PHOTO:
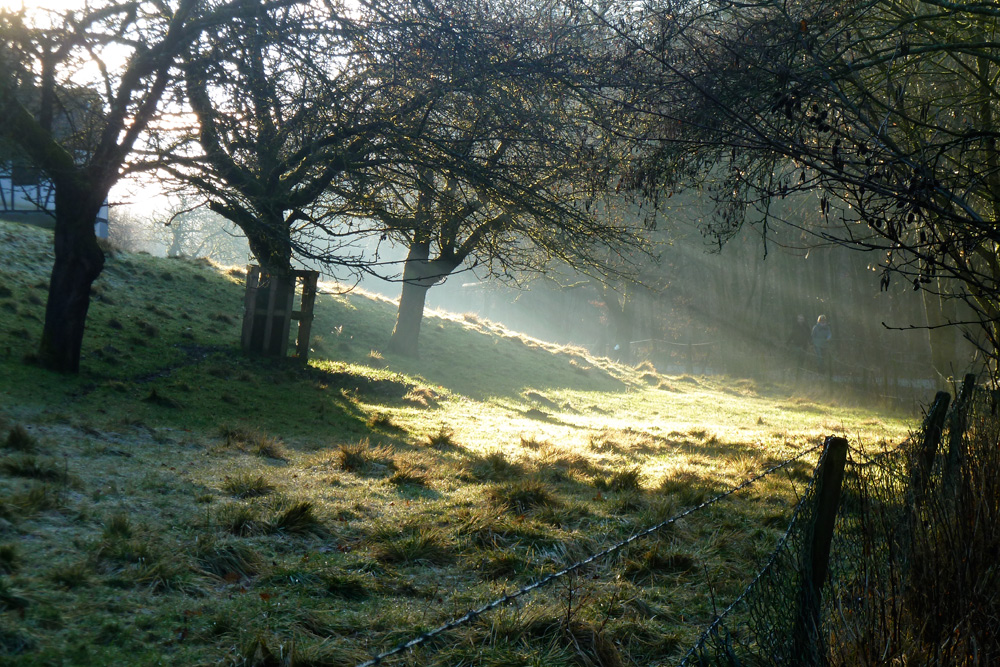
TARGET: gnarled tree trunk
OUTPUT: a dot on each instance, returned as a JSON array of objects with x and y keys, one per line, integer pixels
[
  {"x": 78, "y": 263},
  {"x": 419, "y": 275}
]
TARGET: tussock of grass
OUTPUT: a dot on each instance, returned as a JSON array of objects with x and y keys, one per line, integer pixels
[
  {"x": 155, "y": 397},
  {"x": 522, "y": 496},
  {"x": 226, "y": 558},
  {"x": 19, "y": 440},
  {"x": 253, "y": 441},
  {"x": 10, "y": 558},
  {"x": 493, "y": 467},
  {"x": 361, "y": 458},
  {"x": 412, "y": 544},
  {"x": 626, "y": 479},
  {"x": 409, "y": 475},
  {"x": 11, "y": 599},
  {"x": 376, "y": 360},
  {"x": 246, "y": 485},
  {"x": 443, "y": 438},
  {"x": 35, "y": 499},
  {"x": 71, "y": 576},
  {"x": 424, "y": 397},
  {"x": 654, "y": 561},
  {"x": 380, "y": 420},
  {"x": 299, "y": 518},
  {"x": 33, "y": 467},
  {"x": 240, "y": 519},
  {"x": 118, "y": 526}
]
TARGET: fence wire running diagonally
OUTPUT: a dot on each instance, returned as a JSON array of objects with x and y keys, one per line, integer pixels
[
  {"x": 911, "y": 575},
  {"x": 472, "y": 615}
]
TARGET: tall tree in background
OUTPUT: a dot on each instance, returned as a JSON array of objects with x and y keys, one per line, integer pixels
[
  {"x": 887, "y": 108},
  {"x": 282, "y": 113},
  {"x": 78, "y": 90},
  {"x": 501, "y": 171}
]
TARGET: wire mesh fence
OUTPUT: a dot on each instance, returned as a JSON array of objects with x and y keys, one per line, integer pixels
[
  {"x": 889, "y": 557},
  {"x": 913, "y": 576}
]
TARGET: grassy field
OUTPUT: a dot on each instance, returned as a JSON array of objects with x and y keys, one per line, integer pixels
[{"x": 178, "y": 503}]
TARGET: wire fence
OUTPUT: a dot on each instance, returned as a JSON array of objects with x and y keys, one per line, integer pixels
[
  {"x": 911, "y": 577},
  {"x": 474, "y": 614},
  {"x": 889, "y": 557}
]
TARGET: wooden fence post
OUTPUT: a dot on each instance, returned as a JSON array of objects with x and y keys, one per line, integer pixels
[
  {"x": 933, "y": 427},
  {"x": 268, "y": 315},
  {"x": 957, "y": 425},
  {"x": 816, "y": 557}
]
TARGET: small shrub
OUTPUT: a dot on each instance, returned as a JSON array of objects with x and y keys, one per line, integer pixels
[
  {"x": 19, "y": 440},
  {"x": 247, "y": 485}
]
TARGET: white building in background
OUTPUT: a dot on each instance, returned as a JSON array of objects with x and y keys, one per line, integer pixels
[{"x": 25, "y": 190}]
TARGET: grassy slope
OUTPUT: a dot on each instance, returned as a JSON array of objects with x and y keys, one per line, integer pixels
[{"x": 179, "y": 503}]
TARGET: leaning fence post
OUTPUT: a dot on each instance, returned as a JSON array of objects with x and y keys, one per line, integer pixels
[
  {"x": 933, "y": 427},
  {"x": 816, "y": 558},
  {"x": 957, "y": 424}
]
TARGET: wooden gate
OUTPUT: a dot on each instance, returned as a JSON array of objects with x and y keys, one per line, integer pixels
[{"x": 269, "y": 308}]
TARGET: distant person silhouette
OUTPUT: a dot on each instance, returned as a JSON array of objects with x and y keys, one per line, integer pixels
[{"x": 821, "y": 337}]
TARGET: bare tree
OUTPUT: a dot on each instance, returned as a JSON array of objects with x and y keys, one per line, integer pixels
[
  {"x": 502, "y": 170},
  {"x": 885, "y": 107},
  {"x": 128, "y": 51}
]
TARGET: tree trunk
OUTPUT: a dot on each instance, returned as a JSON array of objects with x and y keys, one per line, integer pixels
[
  {"x": 419, "y": 275},
  {"x": 78, "y": 263},
  {"x": 271, "y": 246}
]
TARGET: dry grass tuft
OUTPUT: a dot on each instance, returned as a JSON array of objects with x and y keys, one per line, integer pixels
[
  {"x": 253, "y": 441},
  {"x": 425, "y": 397},
  {"x": 413, "y": 543},
  {"x": 443, "y": 438},
  {"x": 19, "y": 440},
  {"x": 522, "y": 496},
  {"x": 361, "y": 458},
  {"x": 246, "y": 485}
]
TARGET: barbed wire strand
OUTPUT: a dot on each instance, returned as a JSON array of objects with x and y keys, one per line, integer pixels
[
  {"x": 763, "y": 571},
  {"x": 510, "y": 597}
]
